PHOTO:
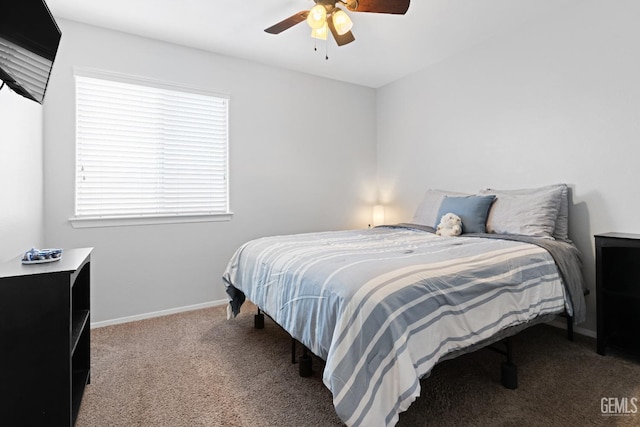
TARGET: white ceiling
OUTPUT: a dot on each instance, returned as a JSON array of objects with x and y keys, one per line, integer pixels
[{"x": 387, "y": 47}]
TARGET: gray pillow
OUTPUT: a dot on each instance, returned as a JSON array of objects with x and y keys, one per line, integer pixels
[
  {"x": 561, "y": 229},
  {"x": 528, "y": 213},
  {"x": 427, "y": 210},
  {"x": 472, "y": 210}
]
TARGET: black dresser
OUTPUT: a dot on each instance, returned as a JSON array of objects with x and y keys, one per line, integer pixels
[{"x": 45, "y": 339}]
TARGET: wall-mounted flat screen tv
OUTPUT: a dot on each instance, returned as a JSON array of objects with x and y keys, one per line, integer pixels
[{"x": 29, "y": 39}]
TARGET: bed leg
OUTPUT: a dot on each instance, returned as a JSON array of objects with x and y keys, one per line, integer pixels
[
  {"x": 258, "y": 320},
  {"x": 508, "y": 369},
  {"x": 305, "y": 363},
  {"x": 293, "y": 350},
  {"x": 570, "y": 328}
]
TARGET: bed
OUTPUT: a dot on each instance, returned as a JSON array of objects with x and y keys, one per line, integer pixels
[{"x": 383, "y": 306}]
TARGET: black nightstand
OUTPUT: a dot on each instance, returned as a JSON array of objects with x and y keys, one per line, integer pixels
[{"x": 618, "y": 292}]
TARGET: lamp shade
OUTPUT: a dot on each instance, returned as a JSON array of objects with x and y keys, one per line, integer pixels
[
  {"x": 342, "y": 22},
  {"x": 317, "y": 17},
  {"x": 320, "y": 33},
  {"x": 378, "y": 215}
]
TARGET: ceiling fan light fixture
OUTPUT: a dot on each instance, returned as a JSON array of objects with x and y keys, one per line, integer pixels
[
  {"x": 317, "y": 17},
  {"x": 327, "y": 13},
  {"x": 341, "y": 22},
  {"x": 320, "y": 33}
]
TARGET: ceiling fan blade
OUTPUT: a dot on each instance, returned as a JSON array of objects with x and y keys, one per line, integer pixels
[
  {"x": 285, "y": 24},
  {"x": 398, "y": 7},
  {"x": 341, "y": 40}
]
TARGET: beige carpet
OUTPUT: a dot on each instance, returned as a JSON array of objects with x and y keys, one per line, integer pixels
[{"x": 198, "y": 369}]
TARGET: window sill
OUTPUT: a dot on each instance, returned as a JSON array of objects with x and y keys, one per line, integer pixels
[{"x": 93, "y": 222}]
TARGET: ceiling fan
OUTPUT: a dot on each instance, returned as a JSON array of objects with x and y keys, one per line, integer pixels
[{"x": 326, "y": 16}]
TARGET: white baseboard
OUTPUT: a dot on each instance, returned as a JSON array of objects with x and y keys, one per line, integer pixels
[{"x": 157, "y": 313}]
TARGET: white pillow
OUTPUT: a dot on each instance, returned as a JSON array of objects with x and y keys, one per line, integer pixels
[
  {"x": 427, "y": 210},
  {"x": 529, "y": 213},
  {"x": 561, "y": 230}
]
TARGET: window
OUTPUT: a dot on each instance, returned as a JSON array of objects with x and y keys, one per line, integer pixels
[{"x": 148, "y": 152}]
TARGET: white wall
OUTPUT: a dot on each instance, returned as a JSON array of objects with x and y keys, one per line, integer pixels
[
  {"x": 21, "y": 223},
  {"x": 556, "y": 101},
  {"x": 296, "y": 165}
]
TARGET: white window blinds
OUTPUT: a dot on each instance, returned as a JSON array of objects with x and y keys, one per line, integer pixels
[{"x": 149, "y": 151}]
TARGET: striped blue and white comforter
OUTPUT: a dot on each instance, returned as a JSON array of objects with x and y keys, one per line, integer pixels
[{"x": 383, "y": 306}]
